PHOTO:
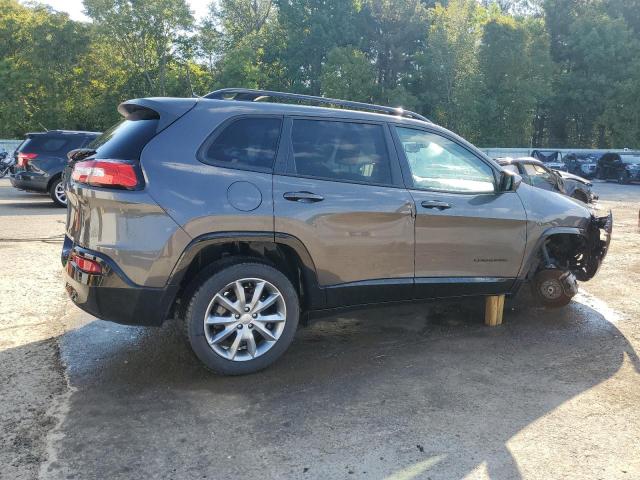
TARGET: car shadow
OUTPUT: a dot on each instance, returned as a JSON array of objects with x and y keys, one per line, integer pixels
[{"x": 421, "y": 386}]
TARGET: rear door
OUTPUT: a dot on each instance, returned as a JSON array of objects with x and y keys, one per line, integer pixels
[
  {"x": 341, "y": 194},
  {"x": 470, "y": 238}
]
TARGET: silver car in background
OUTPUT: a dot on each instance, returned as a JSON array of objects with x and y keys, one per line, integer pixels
[{"x": 536, "y": 173}]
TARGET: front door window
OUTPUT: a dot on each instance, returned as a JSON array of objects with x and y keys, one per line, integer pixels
[{"x": 438, "y": 163}]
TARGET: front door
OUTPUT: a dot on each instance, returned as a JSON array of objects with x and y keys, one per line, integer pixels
[
  {"x": 341, "y": 194},
  {"x": 470, "y": 238}
]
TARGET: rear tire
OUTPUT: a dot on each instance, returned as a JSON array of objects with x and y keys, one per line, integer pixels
[
  {"x": 548, "y": 290},
  {"x": 228, "y": 325},
  {"x": 57, "y": 193}
]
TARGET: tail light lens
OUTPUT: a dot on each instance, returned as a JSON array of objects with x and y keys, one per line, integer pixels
[
  {"x": 86, "y": 265},
  {"x": 25, "y": 158},
  {"x": 106, "y": 173}
]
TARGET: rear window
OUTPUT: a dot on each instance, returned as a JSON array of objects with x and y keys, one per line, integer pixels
[
  {"x": 45, "y": 144},
  {"x": 125, "y": 140},
  {"x": 247, "y": 143}
]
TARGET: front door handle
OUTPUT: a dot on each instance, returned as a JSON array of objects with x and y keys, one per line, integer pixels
[
  {"x": 436, "y": 204},
  {"x": 304, "y": 197}
]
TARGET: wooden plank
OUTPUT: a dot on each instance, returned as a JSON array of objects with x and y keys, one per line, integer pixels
[{"x": 493, "y": 310}]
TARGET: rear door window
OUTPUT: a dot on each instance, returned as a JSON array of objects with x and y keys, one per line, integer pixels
[
  {"x": 346, "y": 151},
  {"x": 248, "y": 143}
]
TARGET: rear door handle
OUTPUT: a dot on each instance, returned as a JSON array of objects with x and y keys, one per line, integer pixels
[
  {"x": 303, "y": 197},
  {"x": 436, "y": 204}
]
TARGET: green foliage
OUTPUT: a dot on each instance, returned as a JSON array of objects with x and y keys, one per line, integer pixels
[
  {"x": 312, "y": 28},
  {"x": 39, "y": 52},
  {"x": 348, "y": 73},
  {"x": 499, "y": 72},
  {"x": 447, "y": 67},
  {"x": 512, "y": 81},
  {"x": 144, "y": 35}
]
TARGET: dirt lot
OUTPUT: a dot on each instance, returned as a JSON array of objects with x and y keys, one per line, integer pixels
[{"x": 398, "y": 392}]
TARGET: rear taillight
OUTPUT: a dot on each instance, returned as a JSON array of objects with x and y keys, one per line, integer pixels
[
  {"x": 106, "y": 173},
  {"x": 25, "y": 158},
  {"x": 86, "y": 265}
]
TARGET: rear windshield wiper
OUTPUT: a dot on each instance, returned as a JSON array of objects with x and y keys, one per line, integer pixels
[{"x": 79, "y": 154}]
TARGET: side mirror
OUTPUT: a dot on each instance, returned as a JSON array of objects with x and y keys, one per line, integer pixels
[{"x": 509, "y": 181}]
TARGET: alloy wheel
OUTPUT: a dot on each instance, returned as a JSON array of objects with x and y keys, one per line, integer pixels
[
  {"x": 245, "y": 319},
  {"x": 60, "y": 194}
]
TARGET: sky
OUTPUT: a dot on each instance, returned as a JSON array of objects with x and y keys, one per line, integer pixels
[{"x": 74, "y": 7}]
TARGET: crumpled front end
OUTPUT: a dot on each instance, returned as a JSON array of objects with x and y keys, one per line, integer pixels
[{"x": 598, "y": 238}]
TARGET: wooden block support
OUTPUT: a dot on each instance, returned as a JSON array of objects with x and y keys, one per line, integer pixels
[{"x": 493, "y": 310}]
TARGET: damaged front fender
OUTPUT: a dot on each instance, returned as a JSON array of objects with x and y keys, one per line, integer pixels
[{"x": 598, "y": 238}]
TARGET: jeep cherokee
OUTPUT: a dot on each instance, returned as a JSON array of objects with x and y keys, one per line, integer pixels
[{"x": 239, "y": 216}]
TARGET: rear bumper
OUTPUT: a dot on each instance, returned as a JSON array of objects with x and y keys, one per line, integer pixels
[
  {"x": 34, "y": 182},
  {"x": 111, "y": 295}
]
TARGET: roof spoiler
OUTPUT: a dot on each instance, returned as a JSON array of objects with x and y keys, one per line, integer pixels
[{"x": 166, "y": 110}]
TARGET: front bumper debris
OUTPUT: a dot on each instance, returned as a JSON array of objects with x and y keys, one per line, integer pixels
[{"x": 598, "y": 241}]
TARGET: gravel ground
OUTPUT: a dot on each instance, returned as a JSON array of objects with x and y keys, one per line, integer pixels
[
  {"x": 33, "y": 301},
  {"x": 433, "y": 395}
]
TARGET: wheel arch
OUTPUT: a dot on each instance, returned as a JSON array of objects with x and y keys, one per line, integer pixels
[
  {"x": 532, "y": 262},
  {"x": 581, "y": 195},
  {"x": 282, "y": 251},
  {"x": 53, "y": 178}
]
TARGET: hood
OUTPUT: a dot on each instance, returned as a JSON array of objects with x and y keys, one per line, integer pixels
[{"x": 571, "y": 176}]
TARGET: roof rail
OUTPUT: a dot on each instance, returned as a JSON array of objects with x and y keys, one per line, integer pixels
[{"x": 250, "y": 95}]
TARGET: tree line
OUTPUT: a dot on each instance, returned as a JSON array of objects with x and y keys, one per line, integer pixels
[{"x": 563, "y": 73}]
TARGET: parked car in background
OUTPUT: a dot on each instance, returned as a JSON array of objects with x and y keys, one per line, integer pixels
[
  {"x": 577, "y": 187},
  {"x": 581, "y": 164},
  {"x": 551, "y": 158},
  {"x": 240, "y": 216},
  {"x": 623, "y": 167},
  {"x": 537, "y": 174},
  {"x": 41, "y": 158}
]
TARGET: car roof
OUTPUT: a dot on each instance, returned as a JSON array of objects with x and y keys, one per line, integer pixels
[
  {"x": 330, "y": 113},
  {"x": 310, "y": 110},
  {"x": 175, "y": 107},
  {"x": 262, "y": 107}
]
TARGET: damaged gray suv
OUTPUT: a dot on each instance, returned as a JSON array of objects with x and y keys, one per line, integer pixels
[{"x": 246, "y": 212}]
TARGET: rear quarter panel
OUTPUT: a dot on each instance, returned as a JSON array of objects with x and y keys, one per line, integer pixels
[
  {"x": 195, "y": 194},
  {"x": 129, "y": 227}
]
